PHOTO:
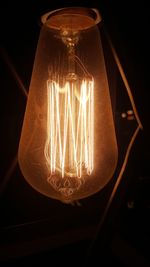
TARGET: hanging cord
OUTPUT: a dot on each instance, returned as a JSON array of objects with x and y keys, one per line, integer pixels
[
  {"x": 117, "y": 183},
  {"x": 22, "y": 88},
  {"x": 12, "y": 70},
  {"x": 123, "y": 76}
]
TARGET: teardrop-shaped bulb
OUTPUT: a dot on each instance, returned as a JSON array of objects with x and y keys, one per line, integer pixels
[{"x": 68, "y": 147}]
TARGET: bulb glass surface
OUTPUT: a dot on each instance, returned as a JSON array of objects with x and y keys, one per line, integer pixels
[{"x": 68, "y": 147}]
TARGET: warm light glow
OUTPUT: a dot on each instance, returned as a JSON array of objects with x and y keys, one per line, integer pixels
[
  {"x": 70, "y": 128},
  {"x": 68, "y": 148}
]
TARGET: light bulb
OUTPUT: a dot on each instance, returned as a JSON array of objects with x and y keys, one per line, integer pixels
[{"x": 68, "y": 147}]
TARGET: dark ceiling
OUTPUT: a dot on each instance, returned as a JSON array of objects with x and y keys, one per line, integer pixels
[{"x": 34, "y": 228}]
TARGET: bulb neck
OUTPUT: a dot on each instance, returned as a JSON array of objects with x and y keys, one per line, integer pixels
[{"x": 76, "y": 18}]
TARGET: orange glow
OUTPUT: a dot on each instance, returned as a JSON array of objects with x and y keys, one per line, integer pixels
[
  {"x": 68, "y": 148},
  {"x": 70, "y": 128}
]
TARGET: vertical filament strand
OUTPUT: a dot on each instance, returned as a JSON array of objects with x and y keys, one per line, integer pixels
[{"x": 69, "y": 146}]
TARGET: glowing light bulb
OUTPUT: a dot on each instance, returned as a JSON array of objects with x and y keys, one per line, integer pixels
[{"x": 68, "y": 147}]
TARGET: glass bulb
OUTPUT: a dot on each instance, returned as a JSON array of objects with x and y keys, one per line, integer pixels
[{"x": 68, "y": 148}]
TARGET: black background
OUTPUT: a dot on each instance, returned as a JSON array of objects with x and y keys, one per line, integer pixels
[{"x": 35, "y": 229}]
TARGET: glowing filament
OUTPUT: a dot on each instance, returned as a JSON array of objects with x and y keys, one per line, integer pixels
[{"x": 70, "y": 128}]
